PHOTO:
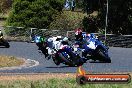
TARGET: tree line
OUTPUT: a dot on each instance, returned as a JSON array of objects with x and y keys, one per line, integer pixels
[
  {"x": 41, "y": 13},
  {"x": 119, "y": 16}
]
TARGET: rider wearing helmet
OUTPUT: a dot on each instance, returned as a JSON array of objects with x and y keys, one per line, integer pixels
[
  {"x": 41, "y": 43},
  {"x": 40, "y": 40},
  {"x": 65, "y": 41},
  {"x": 79, "y": 37},
  {"x": 78, "y": 34}
]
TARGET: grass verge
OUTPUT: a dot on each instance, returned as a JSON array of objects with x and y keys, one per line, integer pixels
[
  {"x": 9, "y": 61},
  {"x": 52, "y": 80},
  {"x": 57, "y": 83}
]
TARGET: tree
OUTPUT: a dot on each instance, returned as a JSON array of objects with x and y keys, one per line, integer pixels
[
  {"x": 67, "y": 21},
  {"x": 34, "y": 13},
  {"x": 5, "y": 5},
  {"x": 90, "y": 24},
  {"x": 91, "y": 5},
  {"x": 119, "y": 17}
]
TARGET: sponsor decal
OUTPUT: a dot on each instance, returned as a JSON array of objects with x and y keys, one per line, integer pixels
[{"x": 83, "y": 78}]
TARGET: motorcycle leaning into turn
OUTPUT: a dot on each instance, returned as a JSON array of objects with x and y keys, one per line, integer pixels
[
  {"x": 42, "y": 44},
  {"x": 93, "y": 49},
  {"x": 3, "y": 42},
  {"x": 65, "y": 54}
]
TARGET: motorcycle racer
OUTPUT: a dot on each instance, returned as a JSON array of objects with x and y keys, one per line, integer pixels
[
  {"x": 80, "y": 37},
  {"x": 60, "y": 51},
  {"x": 40, "y": 40},
  {"x": 78, "y": 34},
  {"x": 56, "y": 43},
  {"x": 3, "y": 42},
  {"x": 53, "y": 45},
  {"x": 41, "y": 43}
]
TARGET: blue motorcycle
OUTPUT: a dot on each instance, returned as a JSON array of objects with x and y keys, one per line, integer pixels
[
  {"x": 93, "y": 48},
  {"x": 68, "y": 57}
]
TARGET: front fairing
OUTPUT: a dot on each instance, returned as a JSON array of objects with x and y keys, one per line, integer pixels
[
  {"x": 87, "y": 49},
  {"x": 99, "y": 43},
  {"x": 91, "y": 44},
  {"x": 67, "y": 49}
]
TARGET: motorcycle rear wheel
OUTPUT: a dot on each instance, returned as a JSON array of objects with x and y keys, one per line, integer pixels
[
  {"x": 55, "y": 59},
  {"x": 56, "y": 62}
]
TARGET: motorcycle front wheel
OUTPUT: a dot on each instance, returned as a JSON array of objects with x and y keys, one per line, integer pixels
[
  {"x": 103, "y": 56},
  {"x": 55, "y": 59},
  {"x": 56, "y": 62},
  {"x": 6, "y": 45}
]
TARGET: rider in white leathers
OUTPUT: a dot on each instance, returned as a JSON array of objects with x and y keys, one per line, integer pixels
[{"x": 56, "y": 43}]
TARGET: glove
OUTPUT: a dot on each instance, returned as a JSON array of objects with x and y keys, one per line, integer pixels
[
  {"x": 47, "y": 47},
  {"x": 83, "y": 50}
]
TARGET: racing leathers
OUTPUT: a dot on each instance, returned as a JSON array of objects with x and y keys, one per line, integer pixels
[
  {"x": 41, "y": 43},
  {"x": 55, "y": 44}
]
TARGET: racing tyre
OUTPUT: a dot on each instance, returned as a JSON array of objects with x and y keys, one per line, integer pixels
[
  {"x": 7, "y": 45},
  {"x": 56, "y": 61},
  {"x": 103, "y": 56},
  {"x": 108, "y": 60},
  {"x": 81, "y": 62}
]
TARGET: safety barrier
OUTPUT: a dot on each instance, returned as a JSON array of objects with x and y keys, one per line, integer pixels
[
  {"x": 117, "y": 40},
  {"x": 27, "y": 35}
]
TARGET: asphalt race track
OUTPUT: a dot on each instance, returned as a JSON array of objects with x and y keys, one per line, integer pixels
[{"x": 121, "y": 60}]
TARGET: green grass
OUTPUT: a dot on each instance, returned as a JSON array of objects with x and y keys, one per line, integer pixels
[{"x": 57, "y": 83}]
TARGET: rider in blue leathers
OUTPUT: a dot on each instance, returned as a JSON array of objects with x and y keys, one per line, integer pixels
[{"x": 80, "y": 37}]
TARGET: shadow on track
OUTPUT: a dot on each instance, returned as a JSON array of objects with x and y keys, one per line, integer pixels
[
  {"x": 96, "y": 62},
  {"x": 61, "y": 67}
]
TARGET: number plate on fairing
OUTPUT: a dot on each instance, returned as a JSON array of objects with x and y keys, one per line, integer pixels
[{"x": 92, "y": 45}]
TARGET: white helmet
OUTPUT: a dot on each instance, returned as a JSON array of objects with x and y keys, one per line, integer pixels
[
  {"x": 58, "y": 36},
  {"x": 65, "y": 39},
  {"x": 50, "y": 40}
]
